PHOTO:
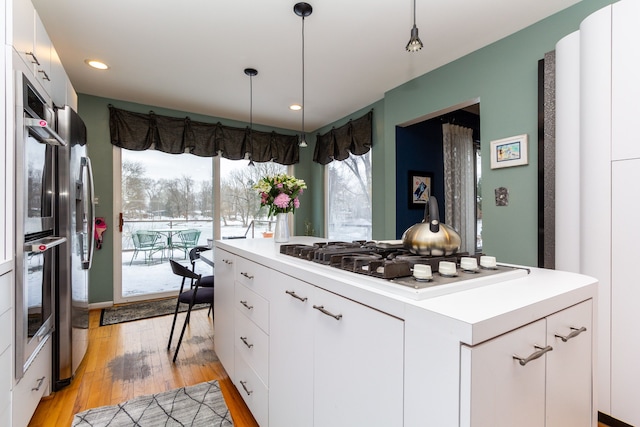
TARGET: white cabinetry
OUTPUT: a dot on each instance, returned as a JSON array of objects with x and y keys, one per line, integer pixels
[
  {"x": 32, "y": 386},
  {"x": 625, "y": 238},
  {"x": 312, "y": 345},
  {"x": 537, "y": 375},
  {"x": 609, "y": 90},
  {"x": 223, "y": 309},
  {"x": 6, "y": 325},
  {"x": 32, "y": 43},
  {"x": 326, "y": 353}
]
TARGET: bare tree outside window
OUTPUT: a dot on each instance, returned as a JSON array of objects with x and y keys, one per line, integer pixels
[{"x": 349, "y": 196}]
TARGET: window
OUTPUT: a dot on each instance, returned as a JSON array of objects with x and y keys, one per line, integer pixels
[
  {"x": 240, "y": 211},
  {"x": 349, "y": 198}
]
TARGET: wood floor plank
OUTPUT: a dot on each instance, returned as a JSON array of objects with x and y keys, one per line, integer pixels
[{"x": 131, "y": 359}]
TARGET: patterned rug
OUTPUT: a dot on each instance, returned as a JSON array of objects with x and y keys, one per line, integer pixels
[
  {"x": 198, "y": 405},
  {"x": 142, "y": 310}
]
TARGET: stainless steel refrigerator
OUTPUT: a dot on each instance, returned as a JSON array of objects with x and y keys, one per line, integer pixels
[{"x": 76, "y": 221}]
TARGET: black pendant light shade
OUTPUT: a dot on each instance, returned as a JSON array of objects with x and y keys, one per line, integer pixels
[
  {"x": 415, "y": 44},
  {"x": 303, "y": 10}
]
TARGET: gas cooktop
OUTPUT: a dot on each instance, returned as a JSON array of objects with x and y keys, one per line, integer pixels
[{"x": 388, "y": 266}]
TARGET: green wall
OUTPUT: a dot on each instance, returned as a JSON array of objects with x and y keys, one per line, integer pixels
[{"x": 503, "y": 76}]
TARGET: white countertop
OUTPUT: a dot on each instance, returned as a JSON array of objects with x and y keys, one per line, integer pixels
[{"x": 475, "y": 314}]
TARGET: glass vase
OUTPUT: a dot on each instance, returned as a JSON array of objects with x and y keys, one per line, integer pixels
[{"x": 281, "y": 234}]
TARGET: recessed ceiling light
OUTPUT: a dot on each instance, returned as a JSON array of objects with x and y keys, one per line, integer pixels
[
  {"x": 96, "y": 64},
  {"x": 295, "y": 107}
]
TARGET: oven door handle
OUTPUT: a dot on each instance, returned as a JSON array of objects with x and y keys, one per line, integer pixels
[
  {"x": 42, "y": 129},
  {"x": 45, "y": 244}
]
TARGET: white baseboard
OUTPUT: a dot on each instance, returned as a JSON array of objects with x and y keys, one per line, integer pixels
[{"x": 97, "y": 305}]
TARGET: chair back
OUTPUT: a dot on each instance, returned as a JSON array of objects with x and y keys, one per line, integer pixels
[
  {"x": 180, "y": 270},
  {"x": 190, "y": 237},
  {"x": 194, "y": 253},
  {"x": 144, "y": 239}
]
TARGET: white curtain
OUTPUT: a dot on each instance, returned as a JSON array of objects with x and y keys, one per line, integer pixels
[{"x": 459, "y": 183}]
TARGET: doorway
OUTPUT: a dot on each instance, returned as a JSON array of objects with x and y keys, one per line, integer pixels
[
  {"x": 419, "y": 148},
  {"x": 166, "y": 207}
]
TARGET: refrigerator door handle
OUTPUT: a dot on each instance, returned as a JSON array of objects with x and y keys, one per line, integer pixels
[{"x": 86, "y": 264}]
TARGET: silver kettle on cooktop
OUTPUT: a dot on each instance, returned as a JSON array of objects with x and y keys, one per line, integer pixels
[{"x": 431, "y": 237}]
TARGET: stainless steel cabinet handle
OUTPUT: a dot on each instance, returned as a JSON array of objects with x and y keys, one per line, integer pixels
[
  {"x": 574, "y": 333},
  {"x": 247, "y": 275},
  {"x": 40, "y": 381},
  {"x": 249, "y": 307},
  {"x": 328, "y": 313},
  {"x": 244, "y": 340},
  {"x": 34, "y": 59},
  {"x": 541, "y": 351},
  {"x": 45, "y": 75},
  {"x": 226, "y": 261},
  {"x": 244, "y": 386},
  {"x": 296, "y": 296}
]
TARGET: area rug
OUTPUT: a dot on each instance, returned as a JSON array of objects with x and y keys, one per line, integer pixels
[
  {"x": 198, "y": 405},
  {"x": 142, "y": 310}
]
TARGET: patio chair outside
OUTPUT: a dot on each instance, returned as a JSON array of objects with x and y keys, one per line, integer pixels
[
  {"x": 149, "y": 243},
  {"x": 186, "y": 240}
]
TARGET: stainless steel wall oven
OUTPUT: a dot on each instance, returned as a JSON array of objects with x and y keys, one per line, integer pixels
[{"x": 35, "y": 218}]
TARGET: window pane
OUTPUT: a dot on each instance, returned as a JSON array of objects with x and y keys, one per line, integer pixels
[
  {"x": 163, "y": 195},
  {"x": 349, "y": 198},
  {"x": 240, "y": 211}
]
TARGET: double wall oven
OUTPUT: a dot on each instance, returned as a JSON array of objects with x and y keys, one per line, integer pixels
[{"x": 35, "y": 221}]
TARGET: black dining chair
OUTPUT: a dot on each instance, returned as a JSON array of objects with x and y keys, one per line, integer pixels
[
  {"x": 205, "y": 281},
  {"x": 196, "y": 294}
]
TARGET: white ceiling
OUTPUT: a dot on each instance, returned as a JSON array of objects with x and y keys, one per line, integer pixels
[{"x": 190, "y": 55}]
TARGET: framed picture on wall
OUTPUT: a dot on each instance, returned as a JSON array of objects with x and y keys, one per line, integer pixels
[
  {"x": 420, "y": 184},
  {"x": 509, "y": 152}
]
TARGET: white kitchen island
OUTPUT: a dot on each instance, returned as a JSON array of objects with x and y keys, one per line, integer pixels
[{"x": 311, "y": 345}]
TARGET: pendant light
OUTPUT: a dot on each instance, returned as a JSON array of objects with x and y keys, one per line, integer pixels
[
  {"x": 415, "y": 44},
  {"x": 303, "y": 10},
  {"x": 251, "y": 72}
]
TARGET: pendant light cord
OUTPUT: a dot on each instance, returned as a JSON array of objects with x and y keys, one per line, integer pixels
[
  {"x": 303, "y": 106},
  {"x": 414, "y": 13}
]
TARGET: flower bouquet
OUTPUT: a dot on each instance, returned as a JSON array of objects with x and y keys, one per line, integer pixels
[{"x": 280, "y": 193}]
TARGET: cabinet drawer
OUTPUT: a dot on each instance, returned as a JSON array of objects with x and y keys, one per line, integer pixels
[
  {"x": 252, "y": 275},
  {"x": 253, "y": 306},
  {"x": 34, "y": 385},
  {"x": 253, "y": 344},
  {"x": 5, "y": 293},
  {"x": 5, "y": 386},
  {"x": 5, "y": 325},
  {"x": 252, "y": 390}
]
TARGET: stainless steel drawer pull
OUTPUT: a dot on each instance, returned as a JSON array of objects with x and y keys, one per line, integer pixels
[
  {"x": 296, "y": 296},
  {"x": 541, "y": 351},
  {"x": 34, "y": 59},
  {"x": 247, "y": 275},
  {"x": 249, "y": 307},
  {"x": 40, "y": 381},
  {"x": 574, "y": 333},
  {"x": 45, "y": 75},
  {"x": 328, "y": 313},
  {"x": 244, "y": 386},
  {"x": 226, "y": 261},
  {"x": 244, "y": 340}
]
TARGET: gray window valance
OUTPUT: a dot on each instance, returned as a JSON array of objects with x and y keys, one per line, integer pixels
[
  {"x": 354, "y": 137},
  {"x": 138, "y": 132}
]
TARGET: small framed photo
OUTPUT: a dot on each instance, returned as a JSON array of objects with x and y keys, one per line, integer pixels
[
  {"x": 509, "y": 152},
  {"x": 420, "y": 184}
]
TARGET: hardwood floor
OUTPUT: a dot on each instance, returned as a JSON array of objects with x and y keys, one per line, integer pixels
[{"x": 131, "y": 359}]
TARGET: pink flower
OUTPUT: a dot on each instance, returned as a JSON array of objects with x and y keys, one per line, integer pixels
[
  {"x": 282, "y": 201},
  {"x": 296, "y": 203},
  {"x": 301, "y": 191},
  {"x": 279, "y": 185}
]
